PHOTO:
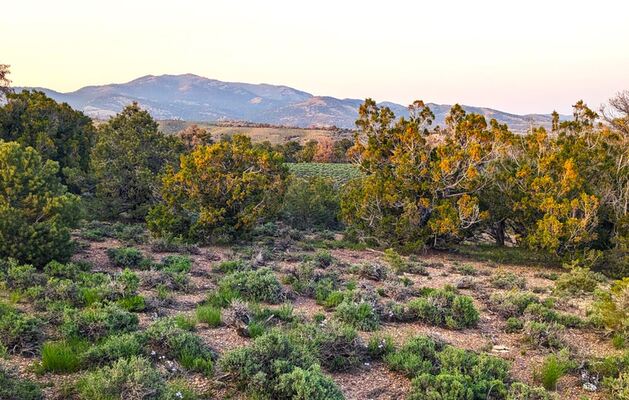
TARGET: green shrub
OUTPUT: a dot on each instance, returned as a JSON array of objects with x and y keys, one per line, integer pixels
[
  {"x": 176, "y": 264},
  {"x": 514, "y": 325},
  {"x": 209, "y": 315},
  {"x": 395, "y": 261},
  {"x": 179, "y": 389},
  {"x": 127, "y": 257},
  {"x": 443, "y": 307},
  {"x": 258, "y": 285},
  {"x": 126, "y": 377},
  {"x": 337, "y": 347},
  {"x": 19, "y": 333},
  {"x": 512, "y": 303},
  {"x": 113, "y": 348},
  {"x": 542, "y": 334},
  {"x": 311, "y": 203},
  {"x": 578, "y": 280},
  {"x": 521, "y": 391},
  {"x": 250, "y": 367},
  {"x": 97, "y": 321},
  {"x": 361, "y": 315},
  {"x": 166, "y": 337},
  {"x": 14, "y": 388},
  {"x": 380, "y": 346},
  {"x": 230, "y": 266},
  {"x": 507, "y": 280},
  {"x": 466, "y": 269},
  {"x": 418, "y": 355},
  {"x": 22, "y": 277},
  {"x": 61, "y": 357},
  {"x": 323, "y": 259},
  {"x": 127, "y": 283},
  {"x": 36, "y": 212},
  {"x": 611, "y": 308},
  {"x": 619, "y": 387},
  {"x": 308, "y": 384},
  {"x": 66, "y": 271}
]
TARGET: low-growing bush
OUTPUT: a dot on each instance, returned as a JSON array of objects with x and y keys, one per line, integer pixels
[
  {"x": 542, "y": 334},
  {"x": 256, "y": 285},
  {"x": 443, "y": 307},
  {"x": 166, "y": 337},
  {"x": 611, "y": 308},
  {"x": 126, "y": 378},
  {"x": 114, "y": 347},
  {"x": 176, "y": 264},
  {"x": 128, "y": 257},
  {"x": 20, "y": 333},
  {"x": 98, "y": 321},
  {"x": 522, "y": 391},
  {"x": 14, "y": 388},
  {"x": 417, "y": 355},
  {"x": 337, "y": 347},
  {"x": 512, "y": 303},
  {"x": 578, "y": 280},
  {"x": 397, "y": 263},
  {"x": 507, "y": 280},
  {"x": 253, "y": 371},
  {"x": 308, "y": 384},
  {"x": 380, "y": 346},
  {"x": 361, "y": 315}
]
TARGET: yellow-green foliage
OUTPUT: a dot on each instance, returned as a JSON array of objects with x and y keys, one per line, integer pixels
[
  {"x": 36, "y": 212},
  {"x": 222, "y": 188},
  {"x": 611, "y": 309},
  {"x": 415, "y": 190}
]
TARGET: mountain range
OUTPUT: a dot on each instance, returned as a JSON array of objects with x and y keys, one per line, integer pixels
[{"x": 194, "y": 98}]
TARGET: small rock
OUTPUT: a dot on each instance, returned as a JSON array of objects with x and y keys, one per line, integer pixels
[{"x": 590, "y": 387}]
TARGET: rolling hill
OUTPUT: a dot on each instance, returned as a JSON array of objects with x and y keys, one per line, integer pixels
[{"x": 195, "y": 98}]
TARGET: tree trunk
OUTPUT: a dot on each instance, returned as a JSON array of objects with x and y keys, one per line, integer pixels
[{"x": 499, "y": 233}]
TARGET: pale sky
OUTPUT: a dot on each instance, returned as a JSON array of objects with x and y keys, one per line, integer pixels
[{"x": 518, "y": 56}]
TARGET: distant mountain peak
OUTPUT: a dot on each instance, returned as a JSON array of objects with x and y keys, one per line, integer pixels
[{"x": 196, "y": 98}]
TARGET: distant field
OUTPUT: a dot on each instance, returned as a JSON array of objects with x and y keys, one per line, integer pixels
[
  {"x": 275, "y": 135},
  {"x": 340, "y": 173}
]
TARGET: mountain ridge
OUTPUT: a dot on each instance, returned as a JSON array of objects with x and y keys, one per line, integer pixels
[{"x": 192, "y": 97}]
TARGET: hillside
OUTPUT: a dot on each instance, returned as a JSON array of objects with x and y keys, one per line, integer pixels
[{"x": 195, "y": 98}]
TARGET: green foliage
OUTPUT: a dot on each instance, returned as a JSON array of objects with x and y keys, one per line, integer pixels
[
  {"x": 514, "y": 325},
  {"x": 416, "y": 193},
  {"x": 340, "y": 174},
  {"x": 274, "y": 366},
  {"x": 361, "y": 315},
  {"x": 98, "y": 321},
  {"x": 127, "y": 257},
  {"x": 445, "y": 372},
  {"x": 551, "y": 370},
  {"x": 256, "y": 285},
  {"x": 611, "y": 308},
  {"x": 133, "y": 376},
  {"x": 220, "y": 189},
  {"x": 311, "y": 203},
  {"x": 165, "y": 336},
  {"x": 337, "y": 347},
  {"x": 36, "y": 212},
  {"x": 114, "y": 347},
  {"x": 380, "y": 346},
  {"x": 20, "y": 333},
  {"x": 395, "y": 261},
  {"x": 578, "y": 280},
  {"x": 209, "y": 315},
  {"x": 14, "y": 388},
  {"x": 507, "y": 280},
  {"x": 128, "y": 156},
  {"x": 308, "y": 384},
  {"x": 443, "y": 307},
  {"x": 511, "y": 303},
  {"x": 176, "y": 264},
  {"x": 55, "y": 130},
  {"x": 521, "y": 391},
  {"x": 61, "y": 357},
  {"x": 543, "y": 334}
]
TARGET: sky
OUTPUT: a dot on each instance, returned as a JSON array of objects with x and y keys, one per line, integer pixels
[{"x": 518, "y": 56}]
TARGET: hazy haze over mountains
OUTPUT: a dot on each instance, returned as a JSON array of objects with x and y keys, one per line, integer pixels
[{"x": 195, "y": 98}]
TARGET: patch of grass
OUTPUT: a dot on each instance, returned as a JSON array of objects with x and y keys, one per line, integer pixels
[
  {"x": 62, "y": 357},
  {"x": 551, "y": 370},
  {"x": 508, "y": 255},
  {"x": 361, "y": 315},
  {"x": 209, "y": 315}
]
